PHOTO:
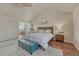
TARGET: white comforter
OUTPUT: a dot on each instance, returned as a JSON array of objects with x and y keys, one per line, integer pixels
[{"x": 41, "y": 37}]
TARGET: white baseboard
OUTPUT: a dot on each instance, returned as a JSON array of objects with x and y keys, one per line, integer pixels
[
  {"x": 76, "y": 46},
  {"x": 8, "y": 39},
  {"x": 69, "y": 41},
  {"x": 73, "y": 44}
]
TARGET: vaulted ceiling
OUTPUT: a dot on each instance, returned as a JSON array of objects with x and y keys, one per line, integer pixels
[
  {"x": 65, "y": 7},
  {"x": 10, "y": 9}
]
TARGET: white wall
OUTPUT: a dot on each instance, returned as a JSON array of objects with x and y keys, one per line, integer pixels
[
  {"x": 9, "y": 16},
  {"x": 9, "y": 24},
  {"x": 76, "y": 27},
  {"x": 57, "y": 18},
  {"x": 8, "y": 27}
]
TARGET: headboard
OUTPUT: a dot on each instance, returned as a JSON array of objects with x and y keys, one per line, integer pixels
[{"x": 46, "y": 28}]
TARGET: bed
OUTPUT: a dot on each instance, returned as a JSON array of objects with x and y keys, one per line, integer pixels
[{"x": 42, "y": 36}]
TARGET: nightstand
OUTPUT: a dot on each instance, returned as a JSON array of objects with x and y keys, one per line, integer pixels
[{"x": 59, "y": 37}]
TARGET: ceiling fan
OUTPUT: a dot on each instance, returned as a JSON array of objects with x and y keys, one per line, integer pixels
[{"x": 24, "y": 4}]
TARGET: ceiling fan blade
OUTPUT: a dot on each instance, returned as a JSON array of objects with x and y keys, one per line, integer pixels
[
  {"x": 27, "y": 4},
  {"x": 24, "y": 4}
]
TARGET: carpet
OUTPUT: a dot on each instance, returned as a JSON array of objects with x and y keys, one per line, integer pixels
[{"x": 10, "y": 48}]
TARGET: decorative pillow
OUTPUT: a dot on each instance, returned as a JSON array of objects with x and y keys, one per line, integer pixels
[{"x": 48, "y": 31}]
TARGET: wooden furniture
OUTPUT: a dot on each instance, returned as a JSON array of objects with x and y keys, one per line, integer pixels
[
  {"x": 59, "y": 37},
  {"x": 46, "y": 28},
  {"x": 21, "y": 32}
]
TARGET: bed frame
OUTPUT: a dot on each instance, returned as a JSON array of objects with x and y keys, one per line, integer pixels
[{"x": 46, "y": 28}]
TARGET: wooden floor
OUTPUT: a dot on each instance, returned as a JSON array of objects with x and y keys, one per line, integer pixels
[{"x": 68, "y": 48}]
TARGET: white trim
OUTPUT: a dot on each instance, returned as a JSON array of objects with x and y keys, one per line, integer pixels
[
  {"x": 76, "y": 46},
  {"x": 68, "y": 41}
]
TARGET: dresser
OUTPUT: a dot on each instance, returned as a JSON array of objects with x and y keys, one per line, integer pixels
[{"x": 59, "y": 37}]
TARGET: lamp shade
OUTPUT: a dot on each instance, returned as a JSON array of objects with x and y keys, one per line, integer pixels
[
  {"x": 28, "y": 27},
  {"x": 21, "y": 30},
  {"x": 59, "y": 28},
  {"x": 21, "y": 25},
  {"x": 35, "y": 28}
]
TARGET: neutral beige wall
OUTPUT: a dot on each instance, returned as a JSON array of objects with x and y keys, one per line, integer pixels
[
  {"x": 57, "y": 18},
  {"x": 8, "y": 27},
  {"x": 76, "y": 27},
  {"x": 9, "y": 20}
]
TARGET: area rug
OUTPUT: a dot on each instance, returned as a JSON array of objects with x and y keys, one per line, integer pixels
[{"x": 12, "y": 49}]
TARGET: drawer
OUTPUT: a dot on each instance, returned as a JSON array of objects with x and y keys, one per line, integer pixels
[{"x": 59, "y": 38}]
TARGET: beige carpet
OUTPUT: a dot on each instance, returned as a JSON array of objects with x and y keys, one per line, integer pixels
[{"x": 10, "y": 48}]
